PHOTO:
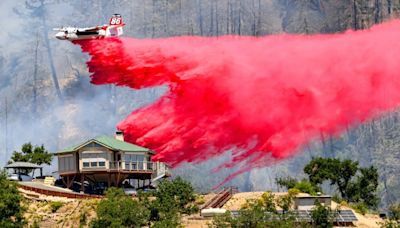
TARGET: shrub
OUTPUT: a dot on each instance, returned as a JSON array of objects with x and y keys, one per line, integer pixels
[
  {"x": 293, "y": 191},
  {"x": 260, "y": 213},
  {"x": 11, "y": 211},
  {"x": 306, "y": 187},
  {"x": 322, "y": 216},
  {"x": 119, "y": 210},
  {"x": 200, "y": 200},
  {"x": 54, "y": 206},
  {"x": 35, "y": 224},
  {"x": 390, "y": 224},
  {"x": 83, "y": 218},
  {"x": 285, "y": 202},
  {"x": 177, "y": 194},
  {"x": 360, "y": 208},
  {"x": 394, "y": 212}
]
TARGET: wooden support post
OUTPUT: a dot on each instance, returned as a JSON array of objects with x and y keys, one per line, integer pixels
[
  {"x": 109, "y": 180},
  {"x": 71, "y": 181},
  {"x": 118, "y": 177},
  {"x": 82, "y": 180},
  {"x": 63, "y": 180}
]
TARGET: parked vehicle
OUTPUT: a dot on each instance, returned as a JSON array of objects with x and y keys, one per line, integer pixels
[
  {"x": 19, "y": 177},
  {"x": 130, "y": 191}
]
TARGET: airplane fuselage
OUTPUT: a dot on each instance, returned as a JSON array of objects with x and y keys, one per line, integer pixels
[
  {"x": 80, "y": 34},
  {"x": 114, "y": 28}
]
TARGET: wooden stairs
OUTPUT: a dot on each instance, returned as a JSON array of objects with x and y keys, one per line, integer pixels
[{"x": 221, "y": 198}]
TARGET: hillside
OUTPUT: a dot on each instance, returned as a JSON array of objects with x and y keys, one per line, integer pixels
[
  {"x": 48, "y": 98},
  {"x": 79, "y": 213}
]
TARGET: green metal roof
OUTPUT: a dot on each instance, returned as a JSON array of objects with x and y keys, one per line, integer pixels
[{"x": 108, "y": 142}]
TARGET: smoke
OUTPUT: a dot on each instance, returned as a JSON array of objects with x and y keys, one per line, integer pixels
[{"x": 261, "y": 98}]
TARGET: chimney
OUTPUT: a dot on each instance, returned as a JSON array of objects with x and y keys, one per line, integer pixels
[{"x": 119, "y": 135}]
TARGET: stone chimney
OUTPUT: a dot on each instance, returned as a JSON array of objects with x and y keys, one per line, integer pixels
[{"x": 119, "y": 135}]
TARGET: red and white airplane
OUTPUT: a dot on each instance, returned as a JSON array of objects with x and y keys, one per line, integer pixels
[{"x": 114, "y": 28}]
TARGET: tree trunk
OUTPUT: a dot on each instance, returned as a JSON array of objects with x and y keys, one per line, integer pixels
[
  {"x": 50, "y": 56},
  {"x": 34, "y": 108}
]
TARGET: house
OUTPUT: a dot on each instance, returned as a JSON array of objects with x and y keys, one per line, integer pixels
[
  {"x": 304, "y": 204},
  {"x": 307, "y": 202},
  {"x": 108, "y": 161}
]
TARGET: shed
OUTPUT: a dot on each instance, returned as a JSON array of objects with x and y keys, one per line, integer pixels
[{"x": 20, "y": 167}]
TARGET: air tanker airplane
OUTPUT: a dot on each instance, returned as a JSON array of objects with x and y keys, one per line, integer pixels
[{"x": 114, "y": 28}]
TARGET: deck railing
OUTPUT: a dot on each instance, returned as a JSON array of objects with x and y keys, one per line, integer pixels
[{"x": 132, "y": 166}]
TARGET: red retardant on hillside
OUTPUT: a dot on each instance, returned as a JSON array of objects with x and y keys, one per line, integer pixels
[{"x": 261, "y": 98}]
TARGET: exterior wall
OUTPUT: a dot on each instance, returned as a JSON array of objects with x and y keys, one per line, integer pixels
[
  {"x": 94, "y": 158},
  {"x": 161, "y": 169},
  {"x": 67, "y": 163},
  {"x": 307, "y": 203}
]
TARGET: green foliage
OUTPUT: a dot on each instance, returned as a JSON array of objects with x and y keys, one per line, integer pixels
[
  {"x": 268, "y": 202},
  {"x": 254, "y": 216},
  {"x": 55, "y": 206},
  {"x": 161, "y": 208},
  {"x": 394, "y": 212},
  {"x": 83, "y": 218},
  {"x": 390, "y": 224},
  {"x": 285, "y": 202},
  {"x": 119, "y": 210},
  {"x": 35, "y": 224},
  {"x": 337, "y": 198},
  {"x": 288, "y": 182},
  {"x": 292, "y": 183},
  {"x": 177, "y": 194},
  {"x": 11, "y": 211},
  {"x": 306, "y": 187},
  {"x": 37, "y": 155},
  {"x": 354, "y": 184},
  {"x": 364, "y": 187},
  {"x": 260, "y": 213},
  {"x": 171, "y": 222},
  {"x": 322, "y": 216},
  {"x": 172, "y": 198},
  {"x": 360, "y": 208},
  {"x": 338, "y": 172},
  {"x": 394, "y": 217}
]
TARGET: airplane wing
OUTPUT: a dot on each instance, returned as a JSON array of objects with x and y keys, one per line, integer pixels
[{"x": 90, "y": 29}]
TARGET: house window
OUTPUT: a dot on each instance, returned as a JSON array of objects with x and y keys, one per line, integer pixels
[
  {"x": 94, "y": 159},
  {"x": 134, "y": 161},
  {"x": 92, "y": 145},
  {"x": 66, "y": 163}
]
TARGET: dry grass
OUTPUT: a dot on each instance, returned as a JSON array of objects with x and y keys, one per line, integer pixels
[{"x": 77, "y": 213}]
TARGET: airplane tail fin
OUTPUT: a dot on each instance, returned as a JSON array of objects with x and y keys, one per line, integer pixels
[{"x": 115, "y": 28}]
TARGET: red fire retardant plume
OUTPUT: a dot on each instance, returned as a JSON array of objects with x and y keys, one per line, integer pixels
[{"x": 260, "y": 98}]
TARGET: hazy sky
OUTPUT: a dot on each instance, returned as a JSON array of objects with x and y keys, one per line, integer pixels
[
  {"x": 15, "y": 29},
  {"x": 9, "y": 21}
]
